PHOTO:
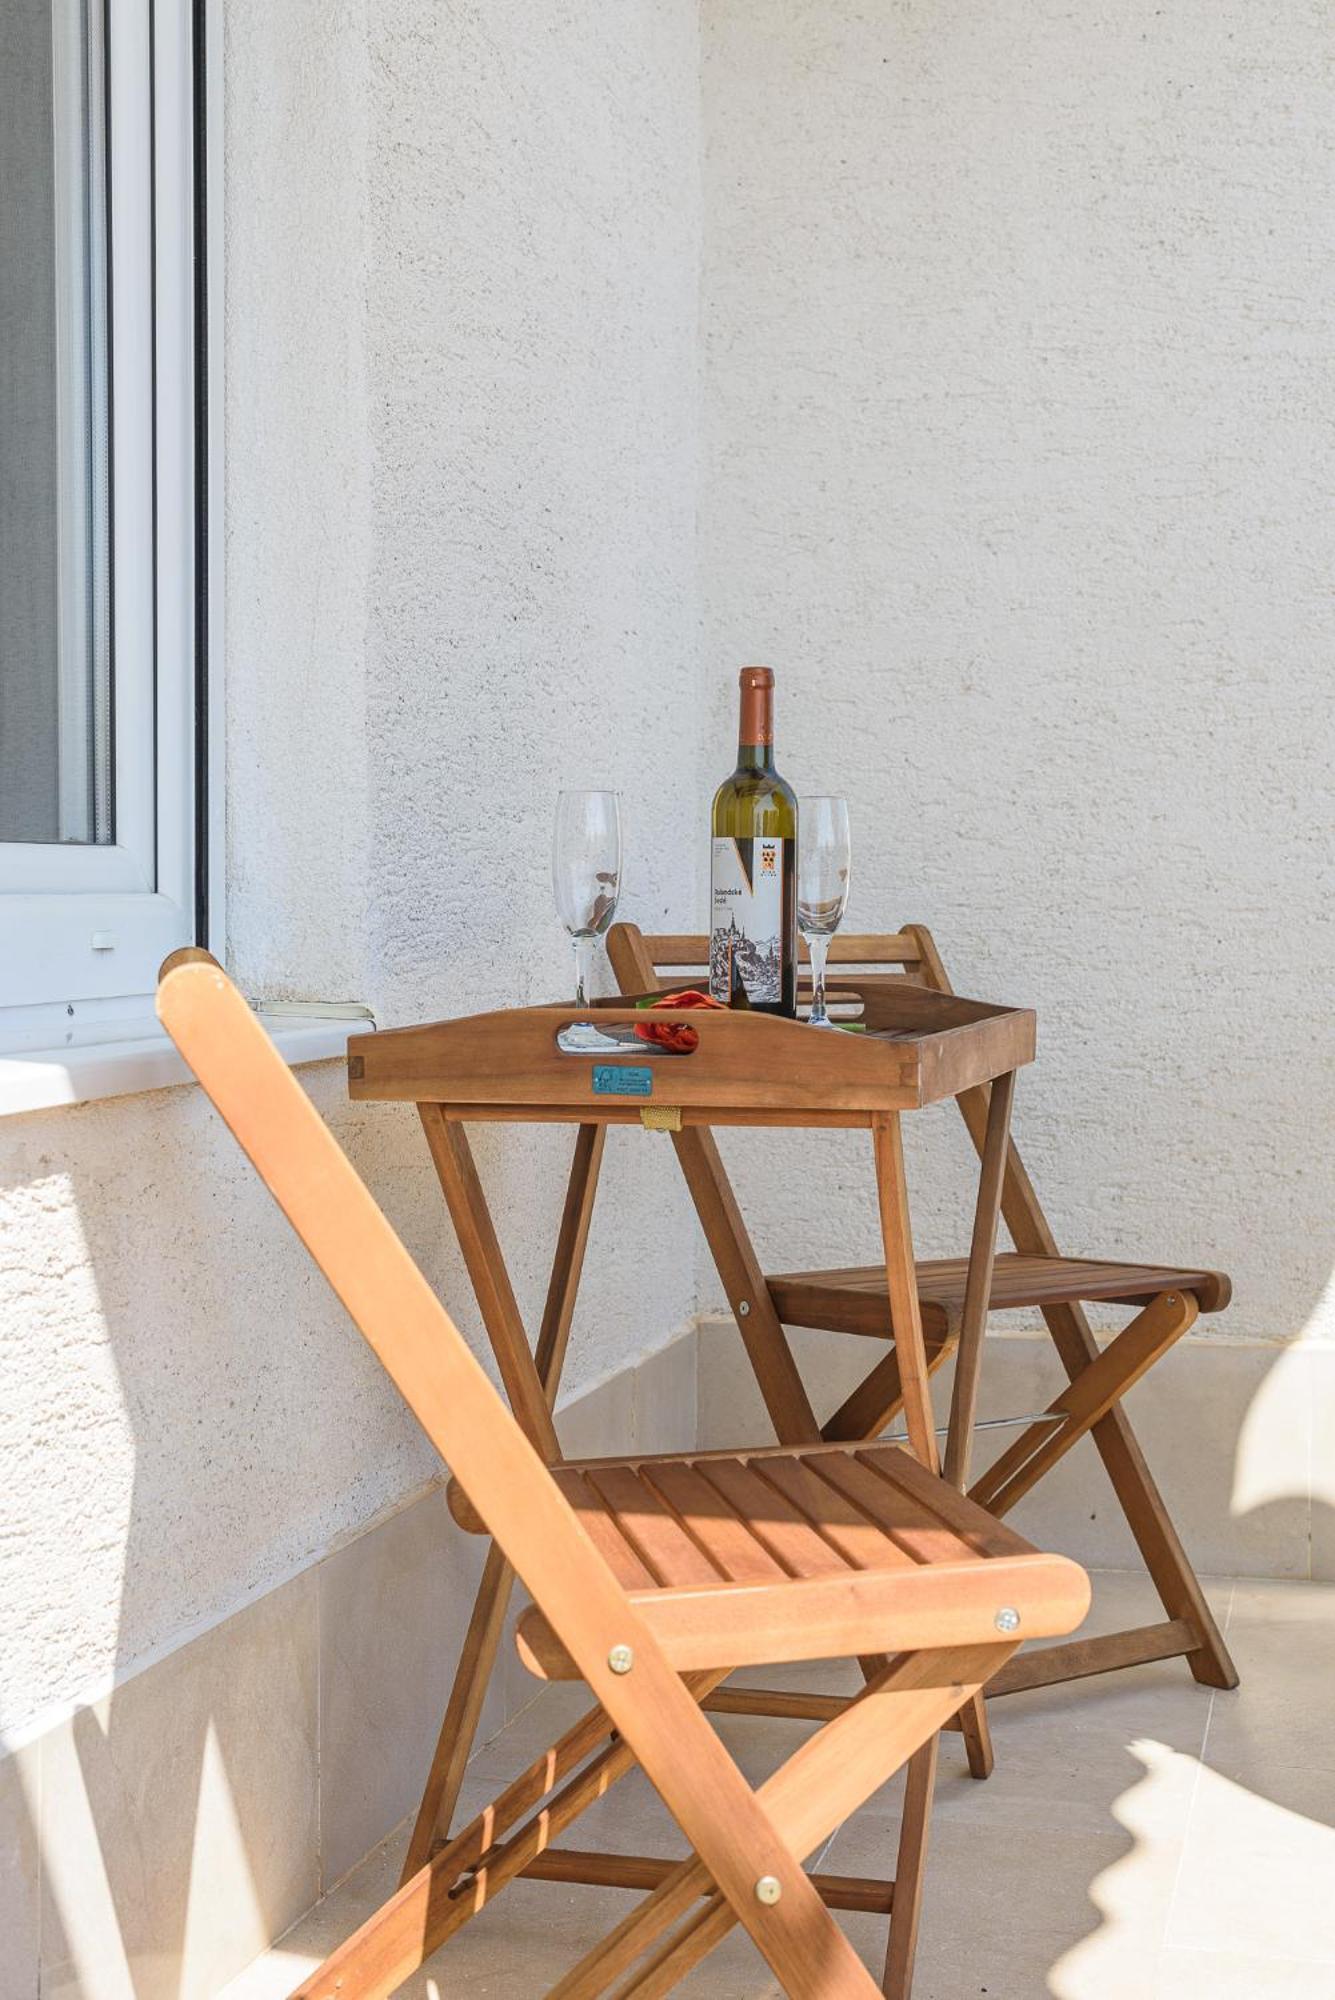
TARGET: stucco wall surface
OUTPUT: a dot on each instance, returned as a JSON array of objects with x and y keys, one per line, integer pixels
[
  {"x": 187, "y": 1418},
  {"x": 298, "y": 120},
  {"x": 532, "y": 341},
  {"x": 1017, "y": 439},
  {"x": 462, "y": 258},
  {"x": 1016, "y": 445}
]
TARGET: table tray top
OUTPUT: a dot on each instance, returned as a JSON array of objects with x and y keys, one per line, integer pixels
[{"x": 916, "y": 1047}]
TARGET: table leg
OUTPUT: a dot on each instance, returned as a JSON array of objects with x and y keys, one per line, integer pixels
[
  {"x": 978, "y": 1285},
  {"x": 910, "y": 1872},
  {"x": 452, "y": 1157},
  {"x": 969, "y": 1355},
  {"x": 568, "y": 1264},
  {"x": 902, "y": 1284},
  {"x": 486, "y": 1267},
  {"x": 911, "y": 1354},
  {"x": 906, "y": 1325}
]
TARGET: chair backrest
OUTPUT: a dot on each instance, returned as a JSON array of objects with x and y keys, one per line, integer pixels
[
  {"x": 394, "y": 1308},
  {"x": 639, "y": 961},
  {"x": 684, "y": 953}
]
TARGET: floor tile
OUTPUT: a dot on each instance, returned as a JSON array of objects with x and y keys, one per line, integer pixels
[
  {"x": 1214, "y": 1975},
  {"x": 1142, "y": 1838},
  {"x": 1257, "y": 1876},
  {"x": 1275, "y": 1732},
  {"x": 1030, "y": 1886}
]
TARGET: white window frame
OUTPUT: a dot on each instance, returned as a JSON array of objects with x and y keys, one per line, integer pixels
[{"x": 84, "y": 928}]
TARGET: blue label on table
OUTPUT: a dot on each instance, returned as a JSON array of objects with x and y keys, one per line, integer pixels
[{"x": 622, "y": 1080}]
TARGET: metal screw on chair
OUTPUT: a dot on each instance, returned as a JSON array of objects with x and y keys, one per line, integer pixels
[
  {"x": 768, "y": 1889},
  {"x": 621, "y": 1659},
  {"x": 1007, "y": 1619},
  {"x": 743, "y": 1312}
]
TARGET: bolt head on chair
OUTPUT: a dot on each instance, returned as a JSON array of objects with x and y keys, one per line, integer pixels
[{"x": 642, "y": 1571}]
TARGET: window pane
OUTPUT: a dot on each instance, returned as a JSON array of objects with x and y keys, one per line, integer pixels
[{"x": 55, "y": 678}]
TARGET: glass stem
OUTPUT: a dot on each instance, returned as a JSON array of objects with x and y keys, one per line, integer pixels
[
  {"x": 818, "y": 946},
  {"x": 583, "y": 969}
]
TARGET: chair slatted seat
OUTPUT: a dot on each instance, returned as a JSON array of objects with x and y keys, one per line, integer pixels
[
  {"x": 853, "y": 1299},
  {"x": 716, "y": 1550}
]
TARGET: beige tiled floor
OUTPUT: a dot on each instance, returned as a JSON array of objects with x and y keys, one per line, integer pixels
[{"x": 1141, "y": 1839}]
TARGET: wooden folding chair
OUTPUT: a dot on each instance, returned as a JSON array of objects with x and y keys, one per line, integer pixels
[
  {"x": 854, "y": 1301},
  {"x": 651, "y": 1579}
]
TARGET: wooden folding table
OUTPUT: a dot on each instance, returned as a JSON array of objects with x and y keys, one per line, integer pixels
[{"x": 915, "y": 1048}]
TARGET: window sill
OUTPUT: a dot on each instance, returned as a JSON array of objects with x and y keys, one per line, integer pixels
[{"x": 123, "y": 1065}]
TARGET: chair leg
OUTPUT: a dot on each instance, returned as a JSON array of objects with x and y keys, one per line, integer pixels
[
  {"x": 1165, "y": 1558},
  {"x": 1089, "y": 1396},
  {"x": 707, "y": 1926},
  {"x": 463, "y": 1712},
  {"x": 1158, "y": 1541},
  {"x": 452, "y": 1888},
  {"x": 833, "y": 1772},
  {"x": 1161, "y": 1548},
  {"x": 1148, "y": 1518},
  {"x": 910, "y": 1872},
  {"x": 876, "y": 1401},
  {"x": 969, "y": 1355},
  {"x": 977, "y": 1733}
]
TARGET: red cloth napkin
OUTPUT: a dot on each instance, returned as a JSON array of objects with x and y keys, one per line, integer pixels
[{"x": 675, "y": 1035}]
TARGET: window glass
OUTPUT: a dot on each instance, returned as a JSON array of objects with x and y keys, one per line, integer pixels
[{"x": 55, "y": 665}]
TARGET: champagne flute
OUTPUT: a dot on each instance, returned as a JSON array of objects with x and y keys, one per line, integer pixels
[
  {"x": 586, "y": 873},
  {"x": 823, "y": 864}
]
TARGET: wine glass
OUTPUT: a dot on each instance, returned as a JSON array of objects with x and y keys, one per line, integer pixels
[
  {"x": 586, "y": 873},
  {"x": 823, "y": 864}
]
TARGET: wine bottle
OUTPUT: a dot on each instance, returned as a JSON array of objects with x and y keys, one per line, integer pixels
[{"x": 753, "y": 879}]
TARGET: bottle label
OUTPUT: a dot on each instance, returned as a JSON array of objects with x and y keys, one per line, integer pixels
[{"x": 746, "y": 924}]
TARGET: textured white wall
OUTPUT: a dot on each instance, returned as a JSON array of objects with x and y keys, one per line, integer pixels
[
  {"x": 1017, "y": 426},
  {"x": 462, "y": 263},
  {"x": 1018, "y": 451},
  {"x": 299, "y": 116},
  {"x": 532, "y": 330}
]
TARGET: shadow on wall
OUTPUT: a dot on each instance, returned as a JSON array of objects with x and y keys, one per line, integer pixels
[
  {"x": 172, "y": 1829},
  {"x": 208, "y": 1432}
]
